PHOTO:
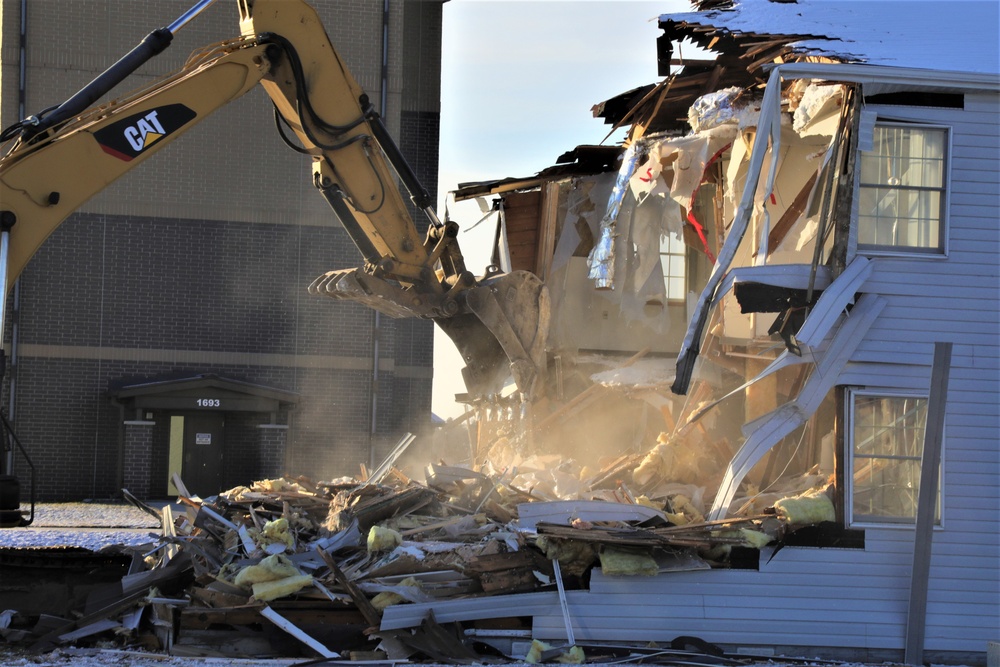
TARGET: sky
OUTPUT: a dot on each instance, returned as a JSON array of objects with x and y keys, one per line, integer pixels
[{"x": 519, "y": 79}]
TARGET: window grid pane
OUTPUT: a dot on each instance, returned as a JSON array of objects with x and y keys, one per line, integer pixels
[
  {"x": 673, "y": 253},
  {"x": 888, "y": 437},
  {"x": 901, "y": 202}
]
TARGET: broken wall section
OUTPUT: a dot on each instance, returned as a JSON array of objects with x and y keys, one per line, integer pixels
[
  {"x": 605, "y": 244},
  {"x": 757, "y": 386}
]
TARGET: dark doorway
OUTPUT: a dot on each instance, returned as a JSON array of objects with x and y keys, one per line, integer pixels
[{"x": 204, "y": 435}]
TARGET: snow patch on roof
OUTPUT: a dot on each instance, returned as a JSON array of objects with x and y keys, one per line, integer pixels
[{"x": 959, "y": 35}]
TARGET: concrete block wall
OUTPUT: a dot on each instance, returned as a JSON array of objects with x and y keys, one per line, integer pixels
[{"x": 198, "y": 261}]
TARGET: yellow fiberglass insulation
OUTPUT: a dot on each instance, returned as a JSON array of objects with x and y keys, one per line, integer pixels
[
  {"x": 574, "y": 556},
  {"x": 751, "y": 538},
  {"x": 624, "y": 562},
  {"x": 535, "y": 652},
  {"x": 683, "y": 506},
  {"x": 383, "y": 539},
  {"x": 271, "y": 590},
  {"x": 271, "y": 568},
  {"x": 389, "y": 598},
  {"x": 277, "y": 532},
  {"x": 671, "y": 460},
  {"x": 809, "y": 508},
  {"x": 573, "y": 656}
]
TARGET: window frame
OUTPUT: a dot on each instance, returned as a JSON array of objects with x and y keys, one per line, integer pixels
[
  {"x": 671, "y": 238},
  {"x": 940, "y": 251},
  {"x": 850, "y": 521}
]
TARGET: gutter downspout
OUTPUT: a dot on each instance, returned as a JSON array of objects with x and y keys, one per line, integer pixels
[
  {"x": 376, "y": 316},
  {"x": 22, "y": 96},
  {"x": 120, "y": 471}
]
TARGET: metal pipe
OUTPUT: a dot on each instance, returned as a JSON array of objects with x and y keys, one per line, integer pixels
[
  {"x": 4, "y": 251},
  {"x": 188, "y": 16},
  {"x": 22, "y": 88},
  {"x": 154, "y": 43},
  {"x": 376, "y": 316}
]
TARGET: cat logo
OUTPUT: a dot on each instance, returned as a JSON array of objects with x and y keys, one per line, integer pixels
[
  {"x": 127, "y": 138},
  {"x": 145, "y": 132}
]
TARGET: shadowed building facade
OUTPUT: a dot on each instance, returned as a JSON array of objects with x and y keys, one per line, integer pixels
[{"x": 165, "y": 327}]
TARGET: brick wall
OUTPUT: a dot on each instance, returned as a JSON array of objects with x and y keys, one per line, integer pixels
[
  {"x": 198, "y": 262},
  {"x": 271, "y": 441},
  {"x": 138, "y": 457}
]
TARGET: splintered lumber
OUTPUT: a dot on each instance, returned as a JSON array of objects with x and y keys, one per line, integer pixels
[
  {"x": 371, "y": 511},
  {"x": 510, "y": 572},
  {"x": 204, "y": 618},
  {"x": 702, "y": 534},
  {"x": 635, "y": 537},
  {"x": 361, "y": 601},
  {"x": 575, "y": 403},
  {"x": 563, "y": 511},
  {"x": 291, "y": 629},
  {"x": 617, "y": 469},
  {"x": 439, "y": 644}
]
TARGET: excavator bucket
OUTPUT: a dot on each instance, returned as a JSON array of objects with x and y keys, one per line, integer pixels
[
  {"x": 503, "y": 333},
  {"x": 500, "y": 325}
]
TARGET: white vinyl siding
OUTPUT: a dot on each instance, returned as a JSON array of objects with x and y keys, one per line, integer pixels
[
  {"x": 857, "y": 598},
  {"x": 812, "y": 597}
]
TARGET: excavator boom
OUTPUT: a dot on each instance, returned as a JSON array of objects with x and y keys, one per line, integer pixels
[{"x": 55, "y": 163}]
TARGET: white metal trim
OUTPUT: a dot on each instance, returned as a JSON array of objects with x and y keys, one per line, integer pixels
[{"x": 765, "y": 432}]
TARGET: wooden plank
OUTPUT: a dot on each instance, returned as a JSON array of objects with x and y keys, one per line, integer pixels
[
  {"x": 547, "y": 230},
  {"x": 791, "y": 215},
  {"x": 563, "y": 511},
  {"x": 361, "y": 601},
  {"x": 88, "y": 630},
  {"x": 205, "y": 617}
]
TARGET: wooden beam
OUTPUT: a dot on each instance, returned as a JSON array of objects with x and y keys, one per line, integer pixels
[
  {"x": 683, "y": 62},
  {"x": 930, "y": 462},
  {"x": 791, "y": 214},
  {"x": 361, "y": 601},
  {"x": 574, "y": 403},
  {"x": 547, "y": 229}
]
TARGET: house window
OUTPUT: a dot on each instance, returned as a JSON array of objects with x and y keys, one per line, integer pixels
[
  {"x": 886, "y": 435},
  {"x": 673, "y": 253},
  {"x": 902, "y": 197}
]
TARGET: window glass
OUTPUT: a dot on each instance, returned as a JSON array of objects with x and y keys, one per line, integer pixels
[
  {"x": 901, "y": 196},
  {"x": 887, "y": 442},
  {"x": 673, "y": 253}
]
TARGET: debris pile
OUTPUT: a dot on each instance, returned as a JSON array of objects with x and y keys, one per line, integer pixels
[{"x": 290, "y": 567}]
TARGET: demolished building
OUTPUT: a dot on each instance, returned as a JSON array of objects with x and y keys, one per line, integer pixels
[
  {"x": 808, "y": 225},
  {"x": 773, "y": 348}
]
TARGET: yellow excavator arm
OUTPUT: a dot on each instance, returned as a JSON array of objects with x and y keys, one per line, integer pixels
[{"x": 56, "y": 162}]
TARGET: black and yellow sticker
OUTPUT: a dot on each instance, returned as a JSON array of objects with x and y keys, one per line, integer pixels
[{"x": 129, "y": 137}]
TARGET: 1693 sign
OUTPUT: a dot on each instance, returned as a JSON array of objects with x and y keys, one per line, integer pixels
[{"x": 208, "y": 402}]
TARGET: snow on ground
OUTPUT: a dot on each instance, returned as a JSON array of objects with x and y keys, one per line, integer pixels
[
  {"x": 89, "y": 525},
  {"x": 118, "y": 658}
]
